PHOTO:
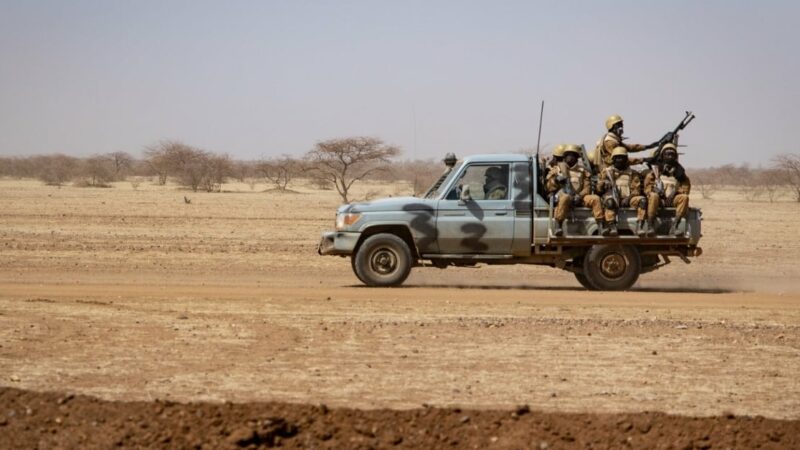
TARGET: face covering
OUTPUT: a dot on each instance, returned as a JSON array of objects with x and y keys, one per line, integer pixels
[{"x": 620, "y": 163}]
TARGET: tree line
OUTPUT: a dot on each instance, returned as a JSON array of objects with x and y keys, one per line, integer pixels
[
  {"x": 336, "y": 164},
  {"x": 332, "y": 164}
]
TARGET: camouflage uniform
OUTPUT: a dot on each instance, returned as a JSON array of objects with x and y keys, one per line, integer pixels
[
  {"x": 629, "y": 184},
  {"x": 606, "y": 145},
  {"x": 676, "y": 189},
  {"x": 579, "y": 178}
]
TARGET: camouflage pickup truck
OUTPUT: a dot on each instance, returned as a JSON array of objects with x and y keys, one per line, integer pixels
[{"x": 453, "y": 224}]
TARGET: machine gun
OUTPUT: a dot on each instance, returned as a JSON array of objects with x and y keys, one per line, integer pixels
[{"x": 670, "y": 137}]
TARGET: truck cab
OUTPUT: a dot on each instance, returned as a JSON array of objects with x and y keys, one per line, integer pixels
[{"x": 492, "y": 209}]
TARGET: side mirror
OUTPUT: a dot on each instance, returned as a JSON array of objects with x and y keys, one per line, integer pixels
[{"x": 465, "y": 196}]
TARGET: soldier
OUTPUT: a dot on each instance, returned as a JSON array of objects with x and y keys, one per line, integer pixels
[
  {"x": 668, "y": 185},
  {"x": 495, "y": 186},
  {"x": 613, "y": 139},
  {"x": 577, "y": 193},
  {"x": 621, "y": 187}
]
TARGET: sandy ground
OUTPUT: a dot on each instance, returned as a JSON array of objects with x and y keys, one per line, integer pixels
[{"x": 135, "y": 295}]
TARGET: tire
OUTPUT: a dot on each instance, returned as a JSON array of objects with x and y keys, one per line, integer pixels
[
  {"x": 578, "y": 262},
  {"x": 382, "y": 260},
  {"x": 612, "y": 267},
  {"x": 584, "y": 281}
]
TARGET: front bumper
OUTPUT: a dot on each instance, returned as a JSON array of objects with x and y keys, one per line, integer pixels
[{"x": 338, "y": 243}]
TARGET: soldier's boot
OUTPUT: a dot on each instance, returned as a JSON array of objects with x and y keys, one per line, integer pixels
[
  {"x": 557, "y": 230},
  {"x": 601, "y": 224},
  {"x": 651, "y": 227},
  {"x": 612, "y": 230},
  {"x": 641, "y": 229},
  {"x": 675, "y": 227}
]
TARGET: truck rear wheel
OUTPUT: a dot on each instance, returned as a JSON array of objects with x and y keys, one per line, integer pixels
[
  {"x": 612, "y": 267},
  {"x": 578, "y": 262},
  {"x": 584, "y": 281},
  {"x": 382, "y": 260}
]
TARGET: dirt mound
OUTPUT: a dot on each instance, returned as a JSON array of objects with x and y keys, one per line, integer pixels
[{"x": 50, "y": 420}]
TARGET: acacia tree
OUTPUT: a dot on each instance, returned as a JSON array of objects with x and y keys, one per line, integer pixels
[
  {"x": 345, "y": 161},
  {"x": 279, "y": 171},
  {"x": 789, "y": 164}
]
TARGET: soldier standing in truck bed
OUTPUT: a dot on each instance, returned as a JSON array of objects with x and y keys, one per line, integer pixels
[
  {"x": 621, "y": 187},
  {"x": 613, "y": 139},
  {"x": 570, "y": 171},
  {"x": 668, "y": 185}
]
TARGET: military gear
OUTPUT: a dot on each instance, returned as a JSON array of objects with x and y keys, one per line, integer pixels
[
  {"x": 611, "y": 140},
  {"x": 674, "y": 230},
  {"x": 611, "y": 230},
  {"x": 619, "y": 151},
  {"x": 675, "y": 193},
  {"x": 669, "y": 147},
  {"x": 612, "y": 120},
  {"x": 570, "y": 187},
  {"x": 559, "y": 150},
  {"x": 557, "y": 228},
  {"x": 572, "y": 148},
  {"x": 626, "y": 186}
]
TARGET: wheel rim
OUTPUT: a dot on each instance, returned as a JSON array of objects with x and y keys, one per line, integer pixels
[
  {"x": 613, "y": 265},
  {"x": 383, "y": 261}
]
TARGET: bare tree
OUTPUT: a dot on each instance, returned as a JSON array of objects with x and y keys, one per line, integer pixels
[
  {"x": 156, "y": 157},
  {"x": 789, "y": 164},
  {"x": 706, "y": 181},
  {"x": 96, "y": 171},
  {"x": 121, "y": 164},
  {"x": 55, "y": 170},
  {"x": 279, "y": 171},
  {"x": 345, "y": 161},
  {"x": 218, "y": 168}
]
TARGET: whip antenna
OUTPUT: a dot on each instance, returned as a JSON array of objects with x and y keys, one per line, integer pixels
[{"x": 539, "y": 138}]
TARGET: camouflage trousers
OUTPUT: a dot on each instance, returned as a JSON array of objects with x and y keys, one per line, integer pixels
[
  {"x": 680, "y": 202},
  {"x": 565, "y": 204},
  {"x": 636, "y": 201}
]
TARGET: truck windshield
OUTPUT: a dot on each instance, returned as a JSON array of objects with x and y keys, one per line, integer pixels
[{"x": 437, "y": 189}]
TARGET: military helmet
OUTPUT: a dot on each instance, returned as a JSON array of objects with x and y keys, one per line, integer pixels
[
  {"x": 559, "y": 150},
  {"x": 572, "y": 148},
  {"x": 670, "y": 147},
  {"x": 620, "y": 151},
  {"x": 612, "y": 120}
]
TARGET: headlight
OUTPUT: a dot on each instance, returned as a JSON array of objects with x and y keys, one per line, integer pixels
[{"x": 345, "y": 220}]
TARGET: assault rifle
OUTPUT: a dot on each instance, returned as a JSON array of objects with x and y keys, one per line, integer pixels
[
  {"x": 588, "y": 166},
  {"x": 614, "y": 189}
]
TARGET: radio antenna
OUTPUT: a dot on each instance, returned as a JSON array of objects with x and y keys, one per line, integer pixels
[{"x": 539, "y": 138}]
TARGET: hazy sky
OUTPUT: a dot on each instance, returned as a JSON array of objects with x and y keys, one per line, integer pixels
[{"x": 270, "y": 77}]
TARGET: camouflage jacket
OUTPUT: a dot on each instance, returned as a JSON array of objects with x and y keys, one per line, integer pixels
[
  {"x": 628, "y": 181},
  {"x": 579, "y": 177}
]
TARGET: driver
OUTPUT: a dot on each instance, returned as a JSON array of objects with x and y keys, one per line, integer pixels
[{"x": 495, "y": 186}]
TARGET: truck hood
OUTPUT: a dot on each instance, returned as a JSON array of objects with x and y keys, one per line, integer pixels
[{"x": 390, "y": 204}]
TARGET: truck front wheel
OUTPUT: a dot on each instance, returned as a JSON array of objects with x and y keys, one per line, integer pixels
[
  {"x": 612, "y": 267},
  {"x": 382, "y": 260}
]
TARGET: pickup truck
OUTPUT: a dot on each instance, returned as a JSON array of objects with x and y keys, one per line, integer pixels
[{"x": 454, "y": 225}]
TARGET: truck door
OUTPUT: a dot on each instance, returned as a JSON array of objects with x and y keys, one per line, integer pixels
[{"x": 482, "y": 223}]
